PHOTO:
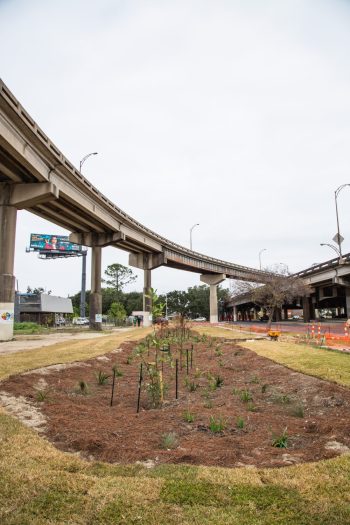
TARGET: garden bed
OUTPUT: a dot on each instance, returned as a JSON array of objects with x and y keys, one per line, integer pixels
[{"x": 234, "y": 407}]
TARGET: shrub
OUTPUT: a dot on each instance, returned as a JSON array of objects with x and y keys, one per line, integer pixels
[
  {"x": 169, "y": 440},
  {"x": 102, "y": 377},
  {"x": 219, "y": 381},
  {"x": 280, "y": 441},
  {"x": 217, "y": 424},
  {"x": 281, "y": 399}
]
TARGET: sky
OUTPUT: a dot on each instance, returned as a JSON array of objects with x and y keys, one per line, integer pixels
[{"x": 231, "y": 114}]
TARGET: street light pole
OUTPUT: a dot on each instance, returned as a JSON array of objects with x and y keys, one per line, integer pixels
[
  {"x": 197, "y": 224},
  {"x": 337, "y": 251},
  {"x": 336, "y": 193},
  {"x": 85, "y": 158},
  {"x": 263, "y": 250}
]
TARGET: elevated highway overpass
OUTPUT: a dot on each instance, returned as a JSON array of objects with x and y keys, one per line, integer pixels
[{"x": 36, "y": 176}]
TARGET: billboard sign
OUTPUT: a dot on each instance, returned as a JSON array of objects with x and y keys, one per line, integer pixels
[{"x": 44, "y": 243}]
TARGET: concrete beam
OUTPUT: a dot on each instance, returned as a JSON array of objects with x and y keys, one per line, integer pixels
[
  {"x": 24, "y": 196},
  {"x": 212, "y": 279},
  {"x": 96, "y": 239},
  {"x": 147, "y": 261}
]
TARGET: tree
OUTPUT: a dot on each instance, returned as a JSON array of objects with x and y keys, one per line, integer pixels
[
  {"x": 178, "y": 302},
  {"x": 117, "y": 311},
  {"x": 38, "y": 290},
  {"x": 118, "y": 276},
  {"x": 277, "y": 288},
  {"x": 157, "y": 305}
]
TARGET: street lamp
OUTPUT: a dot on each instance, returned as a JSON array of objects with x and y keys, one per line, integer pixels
[
  {"x": 84, "y": 159},
  {"x": 197, "y": 224},
  {"x": 338, "y": 239},
  {"x": 337, "y": 250},
  {"x": 263, "y": 250}
]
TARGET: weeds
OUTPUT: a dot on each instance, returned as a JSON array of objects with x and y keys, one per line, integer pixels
[
  {"x": 83, "y": 388},
  {"x": 169, "y": 441},
  {"x": 191, "y": 385},
  {"x": 245, "y": 396},
  {"x": 217, "y": 425}
]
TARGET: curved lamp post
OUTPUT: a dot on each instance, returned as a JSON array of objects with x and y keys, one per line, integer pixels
[
  {"x": 197, "y": 224},
  {"x": 84, "y": 159},
  {"x": 263, "y": 250},
  {"x": 336, "y": 193},
  {"x": 334, "y": 248}
]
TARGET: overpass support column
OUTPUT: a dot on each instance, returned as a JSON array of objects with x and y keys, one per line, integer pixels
[
  {"x": 96, "y": 294},
  {"x": 147, "y": 300},
  {"x": 8, "y": 218},
  {"x": 308, "y": 311},
  {"x": 235, "y": 314},
  {"x": 213, "y": 280},
  {"x": 347, "y": 298}
]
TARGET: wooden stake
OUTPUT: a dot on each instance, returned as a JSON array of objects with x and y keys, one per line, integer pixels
[
  {"x": 187, "y": 360},
  {"x": 177, "y": 379},
  {"x": 139, "y": 390},
  {"x": 112, "y": 395}
]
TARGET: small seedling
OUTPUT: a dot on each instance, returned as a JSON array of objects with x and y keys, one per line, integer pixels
[
  {"x": 218, "y": 351},
  {"x": 255, "y": 380},
  {"x": 42, "y": 395},
  {"x": 251, "y": 407},
  {"x": 83, "y": 387},
  {"x": 102, "y": 378},
  {"x": 281, "y": 399},
  {"x": 191, "y": 385},
  {"x": 264, "y": 389},
  {"x": 217, "y": 424},
  {"x": 117, "y": 372},
  {"x": 169, "y": 441},
  {"x": 219, "y": 381},
  {"x": 240, "y": 422},
  {"x": 208, "y": 403},
  {"x": 245, "y": 396},
  {"x": 280, "y": 441},
  {"x": 188, "y": 416}
]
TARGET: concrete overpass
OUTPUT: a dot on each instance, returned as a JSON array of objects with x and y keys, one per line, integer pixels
[
  {"x": 328, "y": 287},
  {"x": 36, "y": 176}
]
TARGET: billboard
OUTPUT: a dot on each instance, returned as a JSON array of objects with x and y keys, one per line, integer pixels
[{"x": 41, "y": 242}]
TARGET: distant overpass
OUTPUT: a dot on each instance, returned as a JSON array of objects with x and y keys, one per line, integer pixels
[
  {"x": 36, "y": 176},
  {"x": 328, "y": 287}
]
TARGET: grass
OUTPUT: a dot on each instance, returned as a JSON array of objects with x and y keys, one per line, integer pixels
[
  {"x": 40, "y": 485},
  {"x": 217, "y": 424}
]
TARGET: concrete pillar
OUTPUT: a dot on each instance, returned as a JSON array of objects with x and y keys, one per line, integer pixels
[
  {"x": 307, "y": 309},
  {"x": 96, "y": 295},
  {"x": 285, "y": 314},
  {"x": 213, "y": 280},
  {"x": 147, "y": 300},
  {"x": 347, "y": 299},
  {"x": 8, "y": 218},
  {"x": 235, "y": 318}
]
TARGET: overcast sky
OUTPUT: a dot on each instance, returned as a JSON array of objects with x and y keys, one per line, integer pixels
[{"x": 232, "y": 114}]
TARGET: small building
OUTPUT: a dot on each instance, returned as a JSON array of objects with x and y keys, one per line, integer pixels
[{"x": 41, "y": 308}]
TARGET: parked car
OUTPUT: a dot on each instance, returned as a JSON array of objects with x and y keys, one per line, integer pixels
[
  {"x": 81, "y": 320},
  {"x": 60, "y": 321},
  {"x": 199, "y": 319}
]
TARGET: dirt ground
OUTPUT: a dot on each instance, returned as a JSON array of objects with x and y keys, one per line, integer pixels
[{"x": 310, "y": 416}]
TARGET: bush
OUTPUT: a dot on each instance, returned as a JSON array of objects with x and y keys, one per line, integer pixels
[{"x": 30, "y": 327}]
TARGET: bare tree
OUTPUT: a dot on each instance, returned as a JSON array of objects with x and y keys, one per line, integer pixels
[{"x": 277, "y": 288}]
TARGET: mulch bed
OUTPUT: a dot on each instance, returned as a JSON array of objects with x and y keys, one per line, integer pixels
[{"x": 312, "y": 412}]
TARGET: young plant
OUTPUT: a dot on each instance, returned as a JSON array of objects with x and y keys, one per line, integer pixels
[
  {"x": 245, "y": 396},
  {"x": 240, "y": 422},
  {"x": 102, "y": 378},
  {"x": 188, "y": 417},
  {"x": 251, "y": 407},
  {"x": 297, "y": 411},
  {"x": 264, "y": 388},
  {"x": 83, "y": 388},
  {"x": 116, "y": 371},
  {"x": 280, "y": 441},
  {"x": 281, "y": 399},
  {"x": 219, "y": 381},
  {"x": 208, "y": 403},
  {"x": 42, "y": 395},
  {"x": 191, "y": 385},
  {"x": 169, "y": 440},
  {"x": 218, "y": 424}
]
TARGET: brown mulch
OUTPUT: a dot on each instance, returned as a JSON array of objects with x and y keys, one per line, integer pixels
[{"x": 314, "y": 413}]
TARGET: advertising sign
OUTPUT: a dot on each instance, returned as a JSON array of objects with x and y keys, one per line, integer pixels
[{"x": 40, "y": 242}]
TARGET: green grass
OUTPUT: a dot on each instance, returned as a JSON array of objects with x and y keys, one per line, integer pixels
[{"x": 40, "y": 485}]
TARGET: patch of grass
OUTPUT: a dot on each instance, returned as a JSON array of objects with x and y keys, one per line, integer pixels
[
  {"x": 188, "y": 416},
  {"x": 251, "y": 407},
  {"x": 102, "y": 378},
  {"x": 255, "y": 380},
  {"x": 42, "y": 395},
  {"x": 169, "y": 440},
  {"x": 240, "y": 422},
  {"x": 245, "y": 396},
  {"x": 208, "y": 403},
  {"x": 83, "y": 388},
  {"x": 281, "y": 399},
  {"x": 280, "y": 440},
  {"x": 191, "y": 385},
  {"x": 217, "y": 424}
]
